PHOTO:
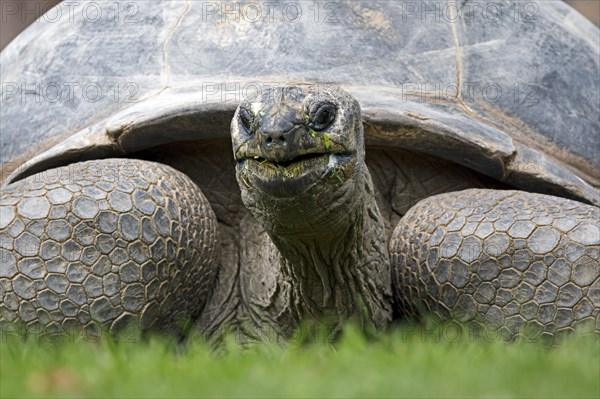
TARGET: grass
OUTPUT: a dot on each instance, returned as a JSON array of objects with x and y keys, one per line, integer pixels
[{"x": 402, "y": 363}]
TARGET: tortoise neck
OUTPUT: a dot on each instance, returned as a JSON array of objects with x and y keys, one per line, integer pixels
[{"x": 342, "y": 271}]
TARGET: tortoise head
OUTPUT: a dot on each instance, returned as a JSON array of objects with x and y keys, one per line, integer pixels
[
  {"x": 289, "y": 139},
  {"x": 297, "y": 146}
]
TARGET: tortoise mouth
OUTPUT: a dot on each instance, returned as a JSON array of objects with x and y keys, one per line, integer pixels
[
  {"x": 304, "y": 159},
  {"x": 292, "y": 176}
]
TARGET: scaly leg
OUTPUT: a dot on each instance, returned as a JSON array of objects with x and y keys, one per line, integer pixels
[
  {"x": 506, "y": 259},
  {"x": 105, "y": 243}
]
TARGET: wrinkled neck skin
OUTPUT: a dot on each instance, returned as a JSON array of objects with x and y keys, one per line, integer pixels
[{"x": 334, "y": 262}]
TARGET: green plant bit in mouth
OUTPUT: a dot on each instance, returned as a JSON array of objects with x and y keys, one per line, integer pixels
[{"x": 326, "y": 141}]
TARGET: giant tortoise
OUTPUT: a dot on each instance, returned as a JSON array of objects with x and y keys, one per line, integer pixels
[{"x": 389, "y": 159}]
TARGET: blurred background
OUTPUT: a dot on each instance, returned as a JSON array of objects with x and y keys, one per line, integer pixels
[{"x": 11, "y": 25}]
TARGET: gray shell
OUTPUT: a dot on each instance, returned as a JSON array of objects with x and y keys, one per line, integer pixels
[{"x": 510, "y": 90}]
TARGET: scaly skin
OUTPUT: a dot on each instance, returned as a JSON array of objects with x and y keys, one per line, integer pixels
[
  {"x": 331, "y": 258},
  {"x": 512, "y": 260},
  {"x": 105, "y": 243}
]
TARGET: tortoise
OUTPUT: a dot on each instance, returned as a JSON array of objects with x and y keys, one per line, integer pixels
[{"x": 449, "y": 167}]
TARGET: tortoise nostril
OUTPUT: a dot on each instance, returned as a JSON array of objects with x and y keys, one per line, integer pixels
[{"x": 274, "y": 139}]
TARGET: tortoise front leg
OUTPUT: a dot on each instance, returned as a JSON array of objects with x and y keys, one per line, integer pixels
[
  {"x": 105, "y": 242},
  {"x": 507, "y": 259}
]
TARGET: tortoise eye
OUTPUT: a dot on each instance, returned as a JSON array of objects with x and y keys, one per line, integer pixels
[
  {"x": 246, "y": 119},
  {"x": 323, "y": 117}
]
